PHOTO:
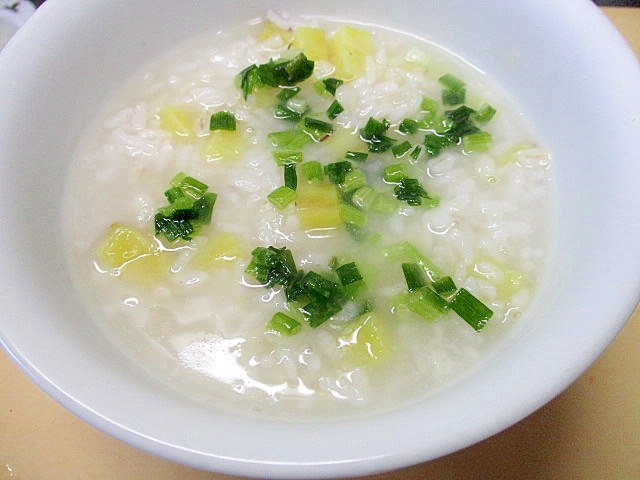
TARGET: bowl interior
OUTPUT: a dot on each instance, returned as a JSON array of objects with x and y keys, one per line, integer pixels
[{"x": 566, "y": 66}]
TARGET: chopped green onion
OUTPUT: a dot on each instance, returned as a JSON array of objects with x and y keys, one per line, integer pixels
[
  {"x": 334, "y": 109},
  {"x": 190, "y": 206},
  {"x": 470, "y": 309},
  {"x": 289, "y": 139},
  {"x": 453, "y": 97},
  {"x": 408, "y": 126},
  {"x": 283, "y": 157},
  {"x": 348, "y": 273},
  {"x": 286, "y": 73},
  {"x": 426, "y": 303},
  {"x": 173, "y": 229},
  {"x": 203, "y": 208},
  {"x": 364, "y": 197},
  {"x": 276, "y": 73},
  {"x": 374, "y": 134},
  {"x": 352, "y": 215},
  {"x": 353, "y": 180},
  {"x": 281, "y": 197},
  {"x": 435, "y": 143},
  {"x": 283, "y": 324},
  {"x": 411, "y": 191},
  {"x": 331, "y": 84},
  {"x": 317, "y": 129},
  {"x": 399, "y": 150},
  {"x": 312, "y": 170},
  {"x": 451, "y": 81},
  {"x": 406, "y": 251},
  {"x": 395, "y": 173},
  {"x": 445, "y": 286},
  {"x": 290, "y": 176},
  {"x": 430, "y": 107},
  {"x": 272, "y": 266},
  {"x": 384, "y": 204},
  {"x": 337, "y": 171},
  {"x": 415, "y": 153},
  {"x": 414, "y": 276},
  {"x": 485, "y": 113},
  {"x": 455, "y": 92},
  {"x": 287, "y": 93},
  {"x": 222, "y": 121},
  {"x": 356, "y": 156},
  {"x": 476, "y": 142},
  {"x": 249, "y": 80},
  {"x": 283, "y": 111}
]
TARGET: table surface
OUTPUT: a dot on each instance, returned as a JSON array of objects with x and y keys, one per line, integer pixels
[{"x": 591, "y": 431}]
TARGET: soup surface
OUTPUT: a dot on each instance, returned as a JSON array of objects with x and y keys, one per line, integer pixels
[{"x": 304, "y": 219}]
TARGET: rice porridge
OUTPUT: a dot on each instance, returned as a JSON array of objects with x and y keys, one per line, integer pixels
[{"x": 305, "y": 219}]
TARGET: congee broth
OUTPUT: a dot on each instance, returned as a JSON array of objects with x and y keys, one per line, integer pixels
[{"x": 308, "y": 219}]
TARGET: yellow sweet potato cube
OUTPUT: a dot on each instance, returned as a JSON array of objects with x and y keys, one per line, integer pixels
[{"x": 348, "y": 51}]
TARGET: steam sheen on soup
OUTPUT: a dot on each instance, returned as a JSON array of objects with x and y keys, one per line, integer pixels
[{"x": 307, "y": 219}]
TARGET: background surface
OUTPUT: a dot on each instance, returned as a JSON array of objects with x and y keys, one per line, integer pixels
[{"x": 591, "y": 431}]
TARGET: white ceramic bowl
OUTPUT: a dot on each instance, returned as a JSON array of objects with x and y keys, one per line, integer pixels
[{"x": 574, "y": 76}]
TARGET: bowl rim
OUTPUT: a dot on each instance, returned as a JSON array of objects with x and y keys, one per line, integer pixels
[{"x": 401, "y": 455}]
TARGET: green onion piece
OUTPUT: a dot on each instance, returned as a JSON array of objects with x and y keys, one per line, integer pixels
[
  {"x": 283, "y": 157},
  {"x": 470, "y": 309},
  {"x": 408, "y": 126},
  {"x": 331, "y": 84},
  {"x": 334, "y": 109},
  {"x": 401, "y": 149},
  {"x": 317, "y": 312},
  {"x": 222, "y": 121},
  {"x": 173, "y": 229},
  {"x": 318, "y": 286},
  {"x": 190, "y": 206},
  {"x": 286, "y": 73},
  {"x": 352, "y": 215},
  {"x": 203, "y": 208},
  {"x": 360, "y": 234},
  {"x": 281, "y": 197},
  {"x": 374, "y": 134},
  {"x": 173, "y": 194},
  {"x": 290, "y": 176},
  {"x": 364, "y": 197},
  {"x": 406, "y": 251},
  {"x": 249, "y": 80},
  {"x": 453, "y": 97},
  {"x": 353, "y": 180},
  {"x": 430, "y": 107},
  {"x": 384, "y": 204},
  {"x": 410, "y": 190},
  {"x": 445, "y": 286},
  {"x": 435, "y": 143},
  {"x": 312, "y": 170},
  {"x": 356, "y": 156},
  {"x": 282, "y": 324},
  {"x": 317, "y": 129},
  {"x": 336, "y": 171},
  {"x": 415, "y": 153},
  {"x": 287, "y": 93},
  {"x": 348, "y": 273},
  {"x": 272, "y": 266},
  {"x": 476, "y": 142},
  {"x": 485, "y": 113},
  {"x": 414, "y": 276},
  {"x": 289, "y": 139},
  {"x": 451, "y": 81},
  {"x": 394, "y": 173},
  {"x": 283, "y": 111},
  {"x": 426, "y": 303}
]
